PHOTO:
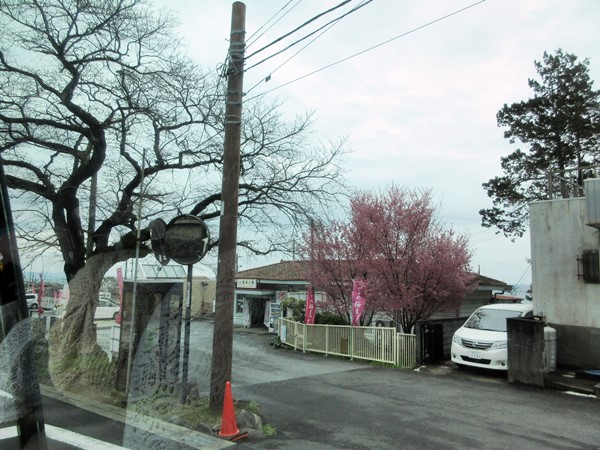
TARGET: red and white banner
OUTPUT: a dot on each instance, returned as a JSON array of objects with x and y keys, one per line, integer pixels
[
  {"x": 311, "y": 308},
  {"x": 359, "y": 298}
]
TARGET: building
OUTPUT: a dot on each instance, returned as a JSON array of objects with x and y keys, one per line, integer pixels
[
  {"x": 203, "y": 288},
  {"x": 565, "y": 273},
  {"x": 257, "y": 288}
]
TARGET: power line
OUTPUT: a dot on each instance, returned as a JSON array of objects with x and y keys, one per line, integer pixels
[
  {"x": 524, "y": 273},
  {"x": 328, "y": 24},
  {"x": 298, "y": 28},
  {"x": 250, "y": 41},
  {"x": 460, "y": 218},
  {"x": 370, "y": 48}
]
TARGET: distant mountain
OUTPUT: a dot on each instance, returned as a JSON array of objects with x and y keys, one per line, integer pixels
[{"x": 59, "y": 277}]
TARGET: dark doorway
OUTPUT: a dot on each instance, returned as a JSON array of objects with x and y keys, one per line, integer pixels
[
  {"x": 432, "y": 339},
  {"x": 257, "y": 312}
]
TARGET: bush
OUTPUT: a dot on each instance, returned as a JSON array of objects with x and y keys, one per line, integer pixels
[
  {"x": 295, "y": 307},
  {"x": 328, "y": 318}
]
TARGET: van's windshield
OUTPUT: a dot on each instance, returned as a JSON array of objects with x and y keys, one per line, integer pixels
[{"x": 491, "y": 319}]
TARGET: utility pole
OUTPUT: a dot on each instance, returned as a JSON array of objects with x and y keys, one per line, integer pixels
[{"x": 223, "y": 329}]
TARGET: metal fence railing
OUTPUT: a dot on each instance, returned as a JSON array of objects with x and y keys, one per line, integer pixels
[{"x": 369, "y": 343}]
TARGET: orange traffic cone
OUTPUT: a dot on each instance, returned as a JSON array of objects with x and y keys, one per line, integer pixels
[{"x": 229, "y": 429}]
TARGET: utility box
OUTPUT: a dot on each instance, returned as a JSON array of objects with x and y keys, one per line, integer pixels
[{"x": 526, "y": 361}]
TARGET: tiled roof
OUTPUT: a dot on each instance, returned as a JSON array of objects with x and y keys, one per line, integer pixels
[
  {"x": 295, "y": 270},
  {"x": 487, "y": 281},
  {"x": 281, "y": 271}
]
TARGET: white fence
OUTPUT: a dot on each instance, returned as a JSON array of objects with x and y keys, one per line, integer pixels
[{"x": 370, "y": 343}]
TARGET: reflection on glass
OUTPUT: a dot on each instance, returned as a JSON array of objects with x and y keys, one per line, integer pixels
[{"x": 490, "y": 319}]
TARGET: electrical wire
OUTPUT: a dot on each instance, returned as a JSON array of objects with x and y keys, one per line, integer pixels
[
  {"x": 328, "y": 24},
  {"x": 524, "y": 273},
  {"x": 250, "y": 40},
  {"x": 299, "y": 28},
  {"x": 460, "y": 218},
  {"x": 331, "y": 24},
  {"x": 370, "y": 48}
]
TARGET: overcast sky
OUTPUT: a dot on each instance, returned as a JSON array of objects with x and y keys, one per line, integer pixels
[{"x": 419, "y": 110}]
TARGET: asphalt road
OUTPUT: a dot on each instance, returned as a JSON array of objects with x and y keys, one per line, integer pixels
[
  {"x": 375, "y": 408},
  {"x": 320, "y": 403}
]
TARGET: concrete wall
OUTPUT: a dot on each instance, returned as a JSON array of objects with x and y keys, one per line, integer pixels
[{"x": 558, "y": 237}]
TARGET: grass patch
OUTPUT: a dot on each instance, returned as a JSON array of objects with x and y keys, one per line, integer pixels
[
  {"x": 269, "y": 430},
  {"x": 195, "y": 415}
]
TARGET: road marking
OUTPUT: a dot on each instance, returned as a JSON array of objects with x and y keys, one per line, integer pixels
[
  {"x": 580, "y": 394},
  {"x": 66, "y": 437}
]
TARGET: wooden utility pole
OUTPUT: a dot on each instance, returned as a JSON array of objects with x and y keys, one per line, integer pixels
[{"x": 223, "y": 330}]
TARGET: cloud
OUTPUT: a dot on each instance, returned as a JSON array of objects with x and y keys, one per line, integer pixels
[{"x": 420, "y": 110}]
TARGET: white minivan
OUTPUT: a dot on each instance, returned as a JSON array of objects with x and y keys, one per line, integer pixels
[
  {"x": 482, "y": 340},
  {"x": 32, "y": 300}
]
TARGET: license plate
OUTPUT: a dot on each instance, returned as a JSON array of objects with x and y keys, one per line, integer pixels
[{"x": 475, "y": 355}]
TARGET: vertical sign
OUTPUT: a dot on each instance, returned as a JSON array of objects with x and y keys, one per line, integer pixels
[{"x": 359, "y": 291}]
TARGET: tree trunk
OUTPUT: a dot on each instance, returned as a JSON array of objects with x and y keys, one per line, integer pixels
[{"x": 73, "y": 348}]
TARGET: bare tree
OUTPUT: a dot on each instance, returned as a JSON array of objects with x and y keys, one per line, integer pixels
[{"x": 98, "y": 93}]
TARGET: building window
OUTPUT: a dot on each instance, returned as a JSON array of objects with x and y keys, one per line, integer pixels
[{"x": 589, "y": 267}]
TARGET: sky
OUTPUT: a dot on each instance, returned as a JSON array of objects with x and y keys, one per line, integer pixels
[{"x": 417, "y": 111}]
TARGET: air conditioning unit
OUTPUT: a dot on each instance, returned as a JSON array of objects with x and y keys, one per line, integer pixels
[{"x": 592, "y": 195}]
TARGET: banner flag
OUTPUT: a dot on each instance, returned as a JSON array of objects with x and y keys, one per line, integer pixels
[
  {"x": 359, "y": 298},
  {"x": 311, "y": 308}
]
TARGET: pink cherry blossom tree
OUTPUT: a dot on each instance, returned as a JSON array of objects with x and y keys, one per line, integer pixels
[
  {"x": 414, "y": 267},
  {"x": 335, "y": 261}
]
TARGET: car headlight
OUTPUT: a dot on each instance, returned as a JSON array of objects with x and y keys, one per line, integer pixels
[
  {"x": 457, "y": 339},
  {"x": 498, "y": 345}
]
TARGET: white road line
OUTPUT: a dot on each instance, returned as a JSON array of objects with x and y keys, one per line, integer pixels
[{"x": 67, "y": 437}]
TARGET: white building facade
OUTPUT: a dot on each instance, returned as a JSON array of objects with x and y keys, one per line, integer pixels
[{"x": 565, "y": 273}]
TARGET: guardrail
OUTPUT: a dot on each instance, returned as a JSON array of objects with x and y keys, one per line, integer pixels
[{"x": 380, "y": 344}]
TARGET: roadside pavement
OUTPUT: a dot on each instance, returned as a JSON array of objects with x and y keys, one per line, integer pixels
[{"x": 561, "y": 379}]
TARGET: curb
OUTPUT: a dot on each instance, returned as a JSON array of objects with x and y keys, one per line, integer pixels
[{"x": 176, "y": 433}]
